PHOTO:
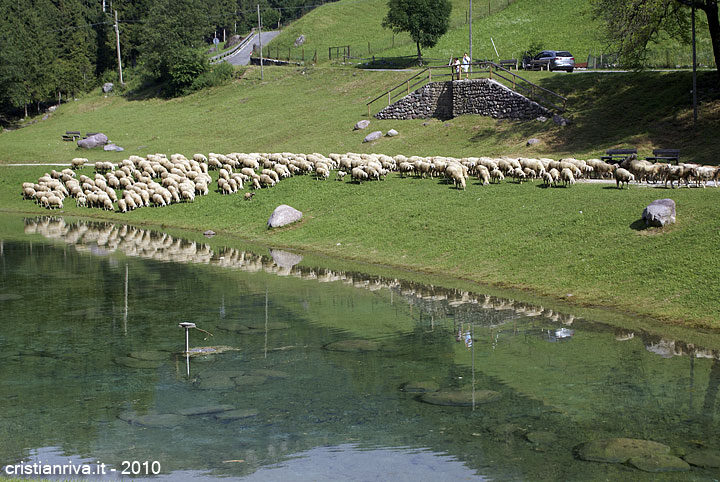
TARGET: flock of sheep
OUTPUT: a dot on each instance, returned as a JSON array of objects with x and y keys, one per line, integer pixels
[{"x": 157, "y": 180}]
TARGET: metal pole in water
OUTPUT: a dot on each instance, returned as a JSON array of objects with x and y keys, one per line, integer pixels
[{"x": 187, "y": 325}]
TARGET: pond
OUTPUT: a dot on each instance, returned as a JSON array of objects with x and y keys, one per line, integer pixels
[{"x": 307, "y": 373}]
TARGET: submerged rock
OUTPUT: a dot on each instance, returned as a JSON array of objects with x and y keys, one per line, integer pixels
[
  {"x": 207, "y": 410},
  {"x": 150, "y": 355},
  {"x": 218, "y": 383},
  {"x": 659, "y": 463},
  {"x": 9, "y": 297},
  {"x": 129, "y": 362},
  {"x": 158, "y": 420},
  {"x": 237, "y": 414},
  {"x": 245, "y": 380},
  {"x": 619, "y": 450},
  {"x": 269, "y": 373},
  {"x": 461, "y": 398},
  {"x": 541, "y": 438},
  {"x": 706, "y": 458},
  {"x": 353, "y": 346},
  {"x": 420, "y": 387}
]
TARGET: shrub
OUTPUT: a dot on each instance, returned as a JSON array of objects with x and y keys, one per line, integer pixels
[
  {"x": 186, "y": 66},
  {"x": 218, "y": 75}
]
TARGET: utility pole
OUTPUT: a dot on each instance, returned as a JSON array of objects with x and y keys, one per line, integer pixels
[
  {"x": 694, "y": 89},
  {"x": 260, "y": 40},
  {"x": 470, "y": 17},
  {"x": 117, "y": 38}
]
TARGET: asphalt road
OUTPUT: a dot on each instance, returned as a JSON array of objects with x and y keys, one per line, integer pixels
[{"x": 242, "y": 57}]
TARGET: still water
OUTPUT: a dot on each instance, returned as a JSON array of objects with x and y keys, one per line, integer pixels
[{"x": 317, "y": 374}]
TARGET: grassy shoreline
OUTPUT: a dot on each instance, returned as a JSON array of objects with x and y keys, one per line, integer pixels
[{"x": 581, "y": 246}]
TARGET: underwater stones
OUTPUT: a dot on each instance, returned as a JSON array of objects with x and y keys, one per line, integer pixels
[
  {"x": 619, "y": 450},
  {"x": 706, "y": 458},
  {"x": 269, "y": 373},
  {"x": 541, "y": 437},
  {"x": 210, "y": 350},
  {"x": 215, "y": 383},
  {"x": 658, "y": 463},
  {"x": 158, "y": 420},
  {"x": 420, "y": 387},
  {"x": 207, "y": 410},
  {"x": 461, "y": 398},
  {"x": 236, "y": 414},
  {"x": 353, "y": 346},
  {"x": 150, "y": 355},
  {"x": 130, "y": 362}
]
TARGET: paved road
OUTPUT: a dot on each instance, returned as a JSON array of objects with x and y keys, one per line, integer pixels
[{"x": 243, "y": 55}]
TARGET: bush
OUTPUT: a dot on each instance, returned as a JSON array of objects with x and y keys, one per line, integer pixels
[
  {"x": 186, "y": 66},
  {"x": 220, "y": 74}
]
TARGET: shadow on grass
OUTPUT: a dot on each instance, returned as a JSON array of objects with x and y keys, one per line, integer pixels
[
  {"x": 640, "y": 225},
  {"x": 406, "y": 62}
]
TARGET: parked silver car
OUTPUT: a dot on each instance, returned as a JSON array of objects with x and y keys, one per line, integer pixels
[{"x": 553, "y": 59}]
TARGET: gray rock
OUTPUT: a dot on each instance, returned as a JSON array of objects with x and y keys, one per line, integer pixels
[
  {"x": 361, "y": 125},
  {"x": 209, "y": 233},
  {"x": 283, "y": 215},
  {"x": 392, "y": 133},
  {"x": 373, "y": 136},
  {"x": 619, "y": 450},
  {"x": 285, "y": 259},
  {"x": 560, "y": 120},
  {"x": 300, "y": 40},
  {"x": 659, "y": 463},
  {"x": 93, "y": 141},
  {"x": 707, "y": 458},
  {"x": 112, "y": 147},
  {"x": 50, "y": 109},
  {"x": 659, "y": 212},
  {"x": 46, "y": 117},
  {"x": 541, "y": 118},
  {"x": 533, "y": 142},
  {"x": 107, "y": 87},
  {"x": 461, "y": 398},
  {"x": 232, "y": 41}
]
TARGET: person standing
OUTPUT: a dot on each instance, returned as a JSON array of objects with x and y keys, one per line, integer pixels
[{"x": 466, "y": 65}]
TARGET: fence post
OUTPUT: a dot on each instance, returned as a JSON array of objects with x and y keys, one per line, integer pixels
[
  {"x": 369, "y": 48},
  {"x": 303, "y": 54},
  {"x": 288, "y": 54},
  {"x": 490, "y": 66},
  {"x": 429, "y": 75},
  {"x": 368, "y": 111},
  {"x": 389, "y": 97},
  {"x": 315, "y": 57},
  {"x": 408, "y": 86},
  {"x": 329, "y": 53}
]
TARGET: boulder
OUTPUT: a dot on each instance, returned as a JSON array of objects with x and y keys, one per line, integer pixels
[
  {"x": 619, "y": 450},
  {"x": 232, "y": 41},
  {"x": 283, "y": 215},
  {"x": 299, "y": 41},
  {"x": 392, "y": 133},
  {"x": 461, "y": 398},
  {"x": 706, "y": 458},
  {"x": 209, "y": 233},
  {"x": 112, "y": 147},
  {"x": 93, "y": 141},
  {"x": 533, "y": 142},
  {"x": 420, "y": 387},
  {"x": 373, "y": 136},
  {"x": 659, "y": 212},
  {"x": 659, "y": 463},
  {"x": 560, "y": 120},
  {"x": 361, "y": 125},
  {"x": 107, "y": 87}
]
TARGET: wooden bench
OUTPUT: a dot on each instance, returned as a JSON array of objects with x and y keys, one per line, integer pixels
[
  {"x": 71, "y": 136},
  {"x": 509, "y": 63},
  {"x": 616, "y": 156},
  {"x": 660, "y": 155}
]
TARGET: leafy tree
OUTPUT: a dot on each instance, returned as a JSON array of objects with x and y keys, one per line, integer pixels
[
  {"x": 630, "y": 25},
  {"x": 425, "y": 20}
]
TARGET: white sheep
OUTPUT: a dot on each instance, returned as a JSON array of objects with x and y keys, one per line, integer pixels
[
  {"x": 567, "y": 176},
  {"x": 623, "y": 176}
]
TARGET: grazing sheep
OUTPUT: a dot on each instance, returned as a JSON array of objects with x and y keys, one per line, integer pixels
[
  {"x": 340, "y": 175},
  {"x": 547, "y": 179},
  {"x": 567, "y": 177},
  {"x": 623, "y": 176},
  {"x": 496, "y": 175},
  {"x": 249, "y": 195},
  {"x": 483, "y": 175}
]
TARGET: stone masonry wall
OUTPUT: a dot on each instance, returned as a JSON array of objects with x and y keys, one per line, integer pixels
[{"x": 446, "y": 100}]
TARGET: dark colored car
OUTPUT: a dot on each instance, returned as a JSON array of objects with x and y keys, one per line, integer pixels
[{"x": 554, "y": 59}]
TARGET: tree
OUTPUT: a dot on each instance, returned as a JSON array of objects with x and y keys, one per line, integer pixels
[
  {"x": 630, "y": 25},
  {"x": 425, "y": 20}
]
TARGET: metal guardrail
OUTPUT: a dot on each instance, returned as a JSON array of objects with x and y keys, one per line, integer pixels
[
  {"x": 220, "y": 57},
  {"x": 539, "y": 94}
]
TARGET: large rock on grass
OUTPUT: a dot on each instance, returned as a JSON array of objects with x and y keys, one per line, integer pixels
[
  {"x": 95, "y": 140},
  {"x": 373, "y": 136},
  {"x": 659, "y": 212},
  {"x": 284, "y": 215},
  {"x": 361, "y": 124}
]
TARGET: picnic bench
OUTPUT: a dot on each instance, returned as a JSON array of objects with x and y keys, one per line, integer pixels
[
  {"x": 71, "y": 136},
  {"x": 616, "y": 156},
  {"x": 509, "y": 63},
  {"x": 660, "y": 155}
]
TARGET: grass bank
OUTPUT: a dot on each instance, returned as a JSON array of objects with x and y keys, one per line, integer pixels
[{"x": 584, "y": 244}]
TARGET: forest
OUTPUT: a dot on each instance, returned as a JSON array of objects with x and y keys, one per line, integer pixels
[{"x": 54, "y": 49}]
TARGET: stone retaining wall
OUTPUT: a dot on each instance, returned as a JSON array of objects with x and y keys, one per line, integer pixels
[{"x": 446, "y": 100}]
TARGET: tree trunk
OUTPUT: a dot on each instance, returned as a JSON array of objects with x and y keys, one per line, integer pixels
[
  {"x": 711, "y": 11},
  {"x": 419, "y": 54}
]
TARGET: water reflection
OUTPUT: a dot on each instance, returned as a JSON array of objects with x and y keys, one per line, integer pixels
[{"x": 324, "y": 368}]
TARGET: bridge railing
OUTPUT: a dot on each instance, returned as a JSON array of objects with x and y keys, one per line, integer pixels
[
  {"x": 484, "y": 69},
  {"x": 220, "y": 57}
]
